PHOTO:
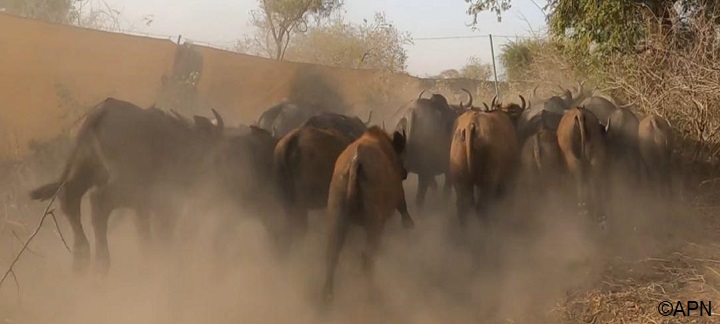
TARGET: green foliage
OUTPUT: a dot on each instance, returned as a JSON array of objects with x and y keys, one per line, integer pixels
[
  {"x": 375, "y": 45},
  {"x": 276, "y": 21},
  {"x": 476, "y": 70},
  {"x": 478, "y": 6},
  {"x": 596, "y": 27},
  {"x": 56, "y": 11},
  {"x": 591, "y": 30},
  {"x": 517, "y": 56},
  {"x": 95, "y": 14}
]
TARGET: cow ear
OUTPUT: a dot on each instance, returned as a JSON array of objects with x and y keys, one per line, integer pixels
[{"x": 398, "y": 141}]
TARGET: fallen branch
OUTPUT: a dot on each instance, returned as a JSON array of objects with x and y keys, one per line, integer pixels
[
  {"x": 57, "y": 227},
  {"x": 47, "y": 212},
  {"x": 20, "y": 240}
]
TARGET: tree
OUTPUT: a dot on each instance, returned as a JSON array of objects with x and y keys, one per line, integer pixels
[
  {"x": 474, "y": 69},
  {"x": 448, "y": 74},
  {"x": 95, "y": 14},
  {"x": 375, "y": 45},
  {"x": 517, "y": 56},
  {"x": 608, "y": 26},
  {"x": 277, "y": 21},
  {"x": 56, "y": 11},
  {"x": 478, "y": 6}
]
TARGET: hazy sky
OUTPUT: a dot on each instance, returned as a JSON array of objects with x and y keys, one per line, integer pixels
[{"x": 221, "y": 22}]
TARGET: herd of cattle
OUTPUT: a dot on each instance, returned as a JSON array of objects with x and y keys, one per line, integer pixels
[{"x": 152, "y": 161}]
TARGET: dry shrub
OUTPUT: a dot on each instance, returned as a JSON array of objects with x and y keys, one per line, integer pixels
[
  {"x": 677, "y": 76},
  {"x": 546, "y": 67}
]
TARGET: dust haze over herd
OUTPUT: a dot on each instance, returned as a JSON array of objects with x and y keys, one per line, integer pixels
[{"x": 303, "y": 175}]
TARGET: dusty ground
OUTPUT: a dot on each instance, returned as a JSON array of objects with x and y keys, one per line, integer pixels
[{"x": 551, "y": 270}]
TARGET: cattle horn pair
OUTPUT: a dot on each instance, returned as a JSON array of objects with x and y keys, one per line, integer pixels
[{"x": 470, "y": 102}]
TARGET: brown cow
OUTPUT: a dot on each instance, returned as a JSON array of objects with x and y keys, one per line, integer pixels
[
  {"x": 365, "y": 190},
  {"x": 582, "y": 141},
  {"x": 655, "y": 144},
  {"x": 483, "y": 154},
  {"x": 542, "y": 160},
  {"x": 304, "y": 162}
]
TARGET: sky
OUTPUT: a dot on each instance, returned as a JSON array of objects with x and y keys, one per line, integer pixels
[{"x": 221, "y": 22}]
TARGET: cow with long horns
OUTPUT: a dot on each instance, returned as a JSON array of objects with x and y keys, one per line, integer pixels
[{"x": 429, "y": 126}]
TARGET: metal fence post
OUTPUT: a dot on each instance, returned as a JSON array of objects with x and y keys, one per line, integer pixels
[{"x": 492, "y": 52}]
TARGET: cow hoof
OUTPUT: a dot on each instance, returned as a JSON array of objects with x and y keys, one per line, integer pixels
[{"x": 408, "y": 223}]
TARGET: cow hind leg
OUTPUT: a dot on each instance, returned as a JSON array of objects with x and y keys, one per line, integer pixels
[
  {"x": 464, "y": 202},
  {"x": 339, "y": 227},
  {"x": 447, "y": 189},
  {"x": 70, "y": 199},
  {"x": 424, "y": 182},
  {"x": 406, "y": 220},
  {"x": 374, "y": 233},
  {"x": 102, "y": 205},
  {"x": 166, "y": 220},
  {"x": 143, "y": 227}
]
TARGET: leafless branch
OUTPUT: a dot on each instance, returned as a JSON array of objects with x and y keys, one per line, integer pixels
[{"x": 47, "y": 212}]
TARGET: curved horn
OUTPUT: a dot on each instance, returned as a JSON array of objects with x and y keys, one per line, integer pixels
[
  {"x": 534, "y": 91},
  {"x": 470, "y": 102},
  {"x": 220, "y": 121},
  {"x": 493, "y": 102},
  {"x": 369, "y": 118},
  {"x": 421, "y": 93},
  {"x": 486, "y": 106},
  {"x": 383, "y": 125},
  {"x": 523, "y": 102}
]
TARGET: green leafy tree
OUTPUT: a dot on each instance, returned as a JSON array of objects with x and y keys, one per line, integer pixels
[
  {"x": 603, "y": 27},
  {"x": 476, "y": 70},
  {"x": 276, "y": 21},
  {"x": 448, "y": 74},
  {"x": 95, "y": 14},
  {"x": 517, "y": 56},
  {"x": 56, "y": 11},
  {"x": 375, "y": 44}
]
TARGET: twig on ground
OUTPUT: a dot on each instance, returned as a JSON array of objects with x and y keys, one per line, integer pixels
[
  {"x": 20, "y": 240},
  {"x": 47, "y": 212},
  {"x": 59, "y": 232}
]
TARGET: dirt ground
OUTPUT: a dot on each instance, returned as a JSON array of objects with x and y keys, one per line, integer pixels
[{"x": 550, "y": 269}]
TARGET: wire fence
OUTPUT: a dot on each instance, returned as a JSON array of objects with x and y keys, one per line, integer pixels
[{"x": 456, "y": 50}]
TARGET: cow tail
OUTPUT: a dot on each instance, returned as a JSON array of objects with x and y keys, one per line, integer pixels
[
  {"x": 580, "y": 121},
  {"x": 87, "y": 132},
  {"x": 469, "y": 135},
  {"x": 537, "y": 152},
  {"x": 352, "y": 198},
  {"x": 284, "y": 173}
]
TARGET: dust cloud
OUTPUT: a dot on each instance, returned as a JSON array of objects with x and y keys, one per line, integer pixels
[{"x": 514, "y": 266}]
